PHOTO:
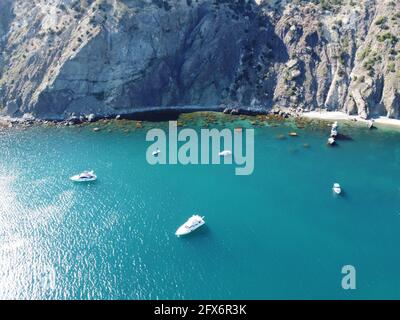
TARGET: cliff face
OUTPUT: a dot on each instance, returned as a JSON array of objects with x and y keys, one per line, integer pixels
[{"x": 116, "y": 56}]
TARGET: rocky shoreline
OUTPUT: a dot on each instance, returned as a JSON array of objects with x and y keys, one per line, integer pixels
[
  {"x": 167, "y": 114},
  {"x": 111, "y": 57},
  {"x": 153, "y": 115}
]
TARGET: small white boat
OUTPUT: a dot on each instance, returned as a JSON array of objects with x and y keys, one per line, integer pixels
[
  {"x": 370, "y": 124},
  {"x": 156, "y": 153},
  {"x": 335, "y": 125},
  {"x": 225, "y": 153},
  {"x": 331, "y": 141},
  {"x": 337, "y": 189},
  {"x": 85, "y": 176},
  {"x": 193, "y": 223}
]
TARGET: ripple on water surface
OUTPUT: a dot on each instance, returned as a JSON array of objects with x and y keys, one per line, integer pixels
[{"x": 279, "y": 233}]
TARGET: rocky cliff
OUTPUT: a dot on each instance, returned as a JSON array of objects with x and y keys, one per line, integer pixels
[{"x": 109, "y": 57}]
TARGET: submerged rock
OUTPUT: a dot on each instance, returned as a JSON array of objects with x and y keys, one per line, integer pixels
[
  {"x": 138, "y": 124},
  {"x": 281, "y": 137}
]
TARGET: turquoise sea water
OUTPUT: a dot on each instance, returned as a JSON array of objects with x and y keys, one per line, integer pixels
[{"x": 277, "y": 234}]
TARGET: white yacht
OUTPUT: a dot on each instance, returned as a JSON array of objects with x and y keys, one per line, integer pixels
[
  {"x": 192, "y": 224},
  {"x": 370, "y": 124},
  {"x": 331, "y": 141},
  {"x": 225, "y": 153},
  {"x": 336, "y": 188},
  {"x": 85, "y": 176}
]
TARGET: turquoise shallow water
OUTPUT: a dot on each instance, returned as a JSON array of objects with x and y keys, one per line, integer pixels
[{"x": 279, "y": 233}]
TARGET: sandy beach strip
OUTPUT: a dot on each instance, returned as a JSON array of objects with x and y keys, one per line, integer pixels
[{"x": 337, "y": 115}]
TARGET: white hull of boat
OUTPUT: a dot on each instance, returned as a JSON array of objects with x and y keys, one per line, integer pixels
[
  {"x": 370, "y": 124},
  {"x": 331, "y": 141},
  {"x": 337, "y": 189},
  {"x": 185, "y": 229},
  {"x": 79, "y": 178}
]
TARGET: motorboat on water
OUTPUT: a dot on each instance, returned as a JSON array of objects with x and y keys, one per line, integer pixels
[
  {"x": 337, "y": 188},
  {"x": 193, "y": 223},
  {"x": 335, "y": 125},
  {"x": 85, "y": 176},
  {"x": 370, "y": 124},
  {"x": 156, "y": 152},
  {"x": 331, "y": 141},
  {"x": 225, "y": 153}
]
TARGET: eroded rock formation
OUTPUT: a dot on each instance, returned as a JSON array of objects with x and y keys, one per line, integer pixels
[{"x": 107, "y": 57}]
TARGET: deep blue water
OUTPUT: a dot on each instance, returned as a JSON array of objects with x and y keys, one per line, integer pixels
[{"x": 279, "y": 233}]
